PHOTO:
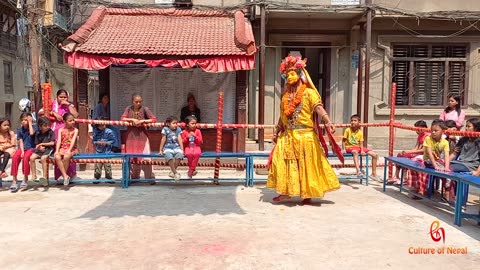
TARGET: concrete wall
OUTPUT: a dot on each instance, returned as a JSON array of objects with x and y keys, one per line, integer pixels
[
  {"x": 19, "y": 89},
  {"x": 344, "y": 75}
]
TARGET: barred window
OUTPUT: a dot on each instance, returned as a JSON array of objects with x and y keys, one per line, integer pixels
[{"x": 426, "y": 74}]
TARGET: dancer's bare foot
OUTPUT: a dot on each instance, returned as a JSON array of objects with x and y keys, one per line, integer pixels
[
  {"x": 307, "y": 201},
  {"x": 280, "y": 198}
]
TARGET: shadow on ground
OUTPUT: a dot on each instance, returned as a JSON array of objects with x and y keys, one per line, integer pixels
[
  {"x": 469, "y": 226},
  {"x": 169, "y": 200},
  {"x": 267, "y": 195}
]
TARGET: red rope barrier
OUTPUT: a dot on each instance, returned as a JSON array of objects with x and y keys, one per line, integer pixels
[
  {"x": 202, "y": 125},
  {"x": 199, "y": 125},
  {"x": 448, "y": 132}
]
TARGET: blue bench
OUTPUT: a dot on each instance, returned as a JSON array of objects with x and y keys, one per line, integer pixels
[
  {"x": 252, "y": 178},
  {"x": 127, "y": 156},
  {"x": 463, "y": 181},
  {"x": 90, "y": 156}
]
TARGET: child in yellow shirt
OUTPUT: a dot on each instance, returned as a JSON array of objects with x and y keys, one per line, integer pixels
[
  {"x": 353, "y": 143},
  {"x": 433, "y": 147}
]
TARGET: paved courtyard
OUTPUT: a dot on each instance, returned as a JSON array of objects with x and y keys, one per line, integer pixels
[{"x": 200, "y": 226}]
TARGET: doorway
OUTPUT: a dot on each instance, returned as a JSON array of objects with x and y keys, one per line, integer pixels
[{"x": 318, "y": 56}]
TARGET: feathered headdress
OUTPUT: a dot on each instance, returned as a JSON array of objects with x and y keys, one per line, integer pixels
[{"x": 292, "y": 63}]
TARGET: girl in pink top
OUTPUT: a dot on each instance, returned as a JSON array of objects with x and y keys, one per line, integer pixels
[
  {"x": 66, "y": 146},
  {"x": 192, "y": 139},
  {"x": 453, "y": 111}
]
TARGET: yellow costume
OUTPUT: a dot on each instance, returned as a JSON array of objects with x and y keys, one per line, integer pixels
[{"x": 299, "y": 166}]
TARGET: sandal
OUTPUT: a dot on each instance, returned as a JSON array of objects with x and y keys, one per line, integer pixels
[
  {"x": 393, "y": 181},
  {"x": 280, "y": 198},
  {"x": 13, "y": 188},
  {"x": 23, "y": 186},
  {"x": 66, "y": 182},
  {"x": 43, "y": 181}
]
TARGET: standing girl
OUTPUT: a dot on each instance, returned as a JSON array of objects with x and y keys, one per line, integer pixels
[
  {"x": 137, "y": 135},
  {"x": 192, "y": 139},
  {"x": 453, "y": 111},
  {"x": 171, "y": 146},
  {"x": 7, "y": 147},
  {"x": 65, "y": 148},
  {"x": 25, "y": 137}
]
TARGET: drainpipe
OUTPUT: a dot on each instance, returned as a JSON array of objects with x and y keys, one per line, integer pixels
[
  {"x": 367, "y": 71},
  {"x": 388, "y": 54},
  {"x": 261, "y": 81},
  {"x": 360, "y": 74}
]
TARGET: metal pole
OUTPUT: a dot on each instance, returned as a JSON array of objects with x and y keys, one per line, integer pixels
[
  {"x": 391, "y": 128},
  {"x": 367, "y": 73},
  {"x": 261, "y": 80}
]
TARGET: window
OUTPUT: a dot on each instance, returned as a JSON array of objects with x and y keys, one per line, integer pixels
[
  {"x": 426, "y": 74},
  {"x": 8, "y": 77}
]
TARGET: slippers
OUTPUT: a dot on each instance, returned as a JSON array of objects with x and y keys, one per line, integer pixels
[
  {"x": 393, "y": 181},
  {"x": 43, "y": 181},
  {"x": 13, "y": 188},
  {"x": 23, "y": 186},
  {"x": 66, "y": 182}
]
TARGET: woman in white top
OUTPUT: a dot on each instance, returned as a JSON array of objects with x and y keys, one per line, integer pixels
[{"x": 453, "y": 111}]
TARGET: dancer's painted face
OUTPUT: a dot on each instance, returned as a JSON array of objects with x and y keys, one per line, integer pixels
[{"x": 292, "y": 77}]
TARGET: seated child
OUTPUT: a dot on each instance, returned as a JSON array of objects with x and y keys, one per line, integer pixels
[
  {"x": 7, "y": 148},
  {"x": 103, "y": 141},
  {"x": 192, "y": 137},
  {"x": 468, "y": 151},
  {"x": 171, "y": 146},
  {"x": 353, "y": 143},
  {"x": 452, "y": 139},
  {"x": 417, "y": 150},
  {"x": 66, "y": 146},
  {"x": 44, "y": 142},
  {"x": 25, "y": 137},
  {"x": 433, "y": 148}
]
